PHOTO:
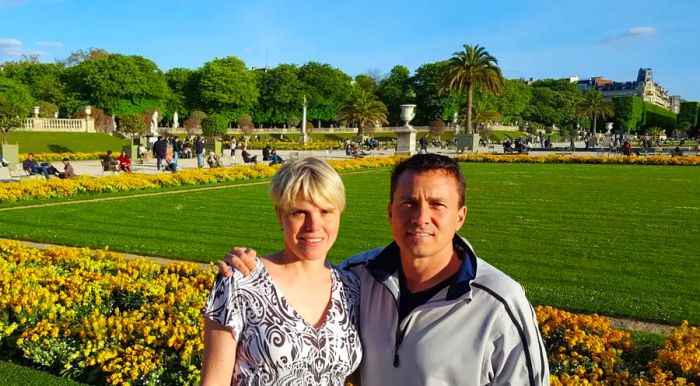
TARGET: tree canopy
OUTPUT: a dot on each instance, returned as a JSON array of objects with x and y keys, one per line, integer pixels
[
  {"x": 226, "y": 86},
  {"x": 15, "y": 104}
]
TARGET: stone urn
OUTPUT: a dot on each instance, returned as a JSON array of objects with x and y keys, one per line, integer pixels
[{"x": 406, "y": 135}]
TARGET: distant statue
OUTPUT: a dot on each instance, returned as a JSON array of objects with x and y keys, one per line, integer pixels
[
  {"x": 114, "y": 122},
  {"x": 176, "y": 124},
  {"x": 154, "y": 122}
]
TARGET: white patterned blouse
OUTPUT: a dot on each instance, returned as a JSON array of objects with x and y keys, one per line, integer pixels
[{"x": 275, "y": 345}]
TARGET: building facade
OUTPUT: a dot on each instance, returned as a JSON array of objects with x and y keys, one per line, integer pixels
[{"x": 644, "y": 87}]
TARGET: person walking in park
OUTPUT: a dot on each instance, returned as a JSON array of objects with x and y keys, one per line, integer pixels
[
  {"x": 177, "y": 148},
  {"x": 160, "y": 147},
  {"x": 271, "y": 328},
  {"x": 423, "y": 144},
  {"x": 199, "y": 151},
  {"x": 431, "y": 311}
]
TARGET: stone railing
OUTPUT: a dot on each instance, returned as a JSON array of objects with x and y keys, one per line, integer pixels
[
  {"x": 293, "y": 130},
  {"x": 59, "y": 125}
]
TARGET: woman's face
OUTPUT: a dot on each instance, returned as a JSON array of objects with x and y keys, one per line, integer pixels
[{"x": 309, "y": 231}]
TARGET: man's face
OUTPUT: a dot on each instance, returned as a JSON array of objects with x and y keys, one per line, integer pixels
[{"x": 425, "y": 214}]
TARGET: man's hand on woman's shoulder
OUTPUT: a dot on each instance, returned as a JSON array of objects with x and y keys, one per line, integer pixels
[{"x": 240, "y": 258}]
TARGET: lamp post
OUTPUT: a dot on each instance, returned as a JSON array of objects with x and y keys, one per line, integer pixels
[{"x": 303, "y": 122}]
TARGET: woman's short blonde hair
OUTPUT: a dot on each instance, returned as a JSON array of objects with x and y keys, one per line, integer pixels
[{"x": 309, "y": 179}]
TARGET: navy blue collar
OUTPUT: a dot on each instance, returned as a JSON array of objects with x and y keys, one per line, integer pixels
[{"x": 388, "y": 262}]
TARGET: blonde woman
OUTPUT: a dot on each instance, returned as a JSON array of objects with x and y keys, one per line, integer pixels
[{"x": 272, "y": 327}]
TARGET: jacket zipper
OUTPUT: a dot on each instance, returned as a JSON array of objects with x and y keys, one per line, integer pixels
[{"x": 400, "y": 334}]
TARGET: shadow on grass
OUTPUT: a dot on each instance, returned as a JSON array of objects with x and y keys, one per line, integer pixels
[{"x": 59, "y": 149}]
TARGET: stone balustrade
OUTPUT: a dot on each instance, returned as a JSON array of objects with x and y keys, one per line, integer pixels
[{"x": 59, "y": 125}]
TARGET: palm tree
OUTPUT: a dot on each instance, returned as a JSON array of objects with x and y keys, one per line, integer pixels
[
  {"x": 593, "y": 104},
  {"x": 473, "y": 67},
  {"x": 484, "y": 115},
  {"x": 362, "y": 108}
]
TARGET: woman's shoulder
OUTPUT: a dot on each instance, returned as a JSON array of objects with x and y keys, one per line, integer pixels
[{"x": 348, "y": 278}]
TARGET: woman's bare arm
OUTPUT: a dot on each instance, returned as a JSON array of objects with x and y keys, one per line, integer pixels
[{"x": 219, "y": 354}]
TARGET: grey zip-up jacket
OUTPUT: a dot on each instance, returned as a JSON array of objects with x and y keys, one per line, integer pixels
[{"x": 480, "y": 330}]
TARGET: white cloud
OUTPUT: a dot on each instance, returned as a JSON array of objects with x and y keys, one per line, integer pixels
[
  {"x": 12, "y": 48},
  {"x": 630, "y": 34},
  {"x": 49, "y": 44},
  {"x": 640, "y": 31}
]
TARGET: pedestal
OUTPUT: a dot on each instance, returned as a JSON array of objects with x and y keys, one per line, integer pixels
[
  {"x": 406, "y": 141},
  {"x": 466, "y": 142}
]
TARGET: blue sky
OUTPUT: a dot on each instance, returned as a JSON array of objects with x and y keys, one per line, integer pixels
[{"x": 530, "y": 38}]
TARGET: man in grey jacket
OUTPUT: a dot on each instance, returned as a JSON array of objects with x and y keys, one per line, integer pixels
[{"x": 431, "y": 311}]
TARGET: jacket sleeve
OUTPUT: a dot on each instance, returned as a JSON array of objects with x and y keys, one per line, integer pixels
[{"x": 518, "y": 356}]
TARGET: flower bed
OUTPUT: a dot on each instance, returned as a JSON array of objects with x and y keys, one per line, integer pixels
[
  {"x": 77, "y": 156},
  {"x": 98, "y": 317},
  {"x": 36, "y": 189}
]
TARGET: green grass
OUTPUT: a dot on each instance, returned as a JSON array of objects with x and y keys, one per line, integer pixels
[
  {"x": 15, "y": 375},
  {"x": 613, "y": 239},
  {"x": 44, "y": 142}
]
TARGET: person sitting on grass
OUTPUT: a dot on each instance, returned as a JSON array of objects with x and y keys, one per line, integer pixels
[
  {"x": 109, "y": 164},
  {"x": 32, "y": 167},
  {"x": 124, "y": 162},
  {"x": 274, "y": 158},
  {"x": 214, "y": 161},
  {"x": 68, "y": 171},
  {"x": 247, "y": 158}
]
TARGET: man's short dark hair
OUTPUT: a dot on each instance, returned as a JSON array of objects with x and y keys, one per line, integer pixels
[
  {"x": 109, "y": 152},
  {"x": 65, "y": 159},
  {"x": 429, "y": 162}
]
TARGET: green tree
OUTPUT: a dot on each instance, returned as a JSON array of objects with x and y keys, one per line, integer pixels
[
  {"x": 132, "y": 125},
  {"x": 592, "y": 104},
  {"x": 432, "y": 103},
  {"x": 394, "y": 90},
  {"x": 183, "y": 93},
  {"x": 214, "y": 125},
  {"x": 47, "y": 109},
  {"x": 472, "y": 68},
  {"x": 483, "y": 115},
  {"x": 119, "y": 84},
  {"x": 326, "y": 88},
  {"x": 513, "y": 101},
  {"x": 281, "y": 95},
  {"x": 366, "y": 83},
  {"x": 43, "y": 80},
  {"x": 362, "y": 108},
  {"x": 15, "y": 104},
  {"x": 629, "y": 112},
  {"x": 553, "y": 102},
  {"x": 227, "y": 86}
]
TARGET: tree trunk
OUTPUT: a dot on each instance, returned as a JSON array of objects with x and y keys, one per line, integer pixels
[
  {"x": 469, "y": 128},
  {"x": 595, "y": 122}
]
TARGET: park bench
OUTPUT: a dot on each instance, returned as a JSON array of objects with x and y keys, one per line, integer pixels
[
  {"x": 18, "y": 172},
  {"x": 108, "y": 167}
]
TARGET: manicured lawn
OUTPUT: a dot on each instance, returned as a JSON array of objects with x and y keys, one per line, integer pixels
[
  {"x": 14, "y": 375},
  {"x": 613, "y": 239},
  {"x": 38, "y": 142}
]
